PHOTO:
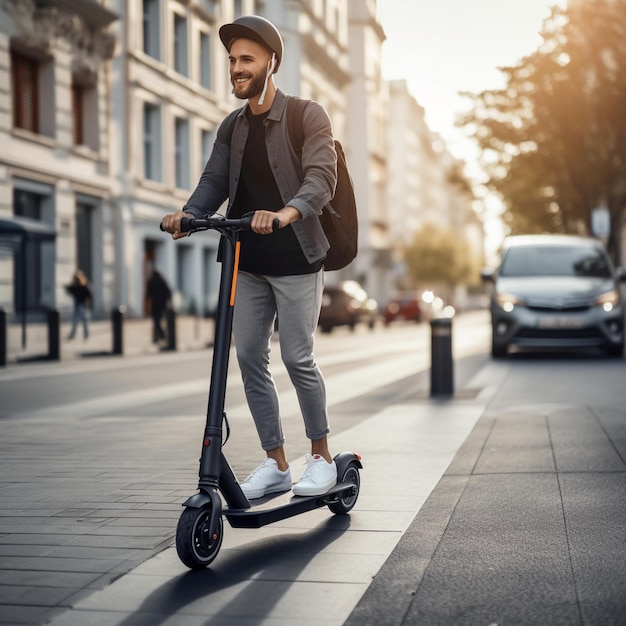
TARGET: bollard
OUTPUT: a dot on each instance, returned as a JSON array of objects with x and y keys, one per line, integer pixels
[
  {"x": 54, "y": 335},
  {"x": 4, "y": 346},
  {"x": 117, "y": 329},
  {"x": 170, "y": 317},
  {"x": 441, "y": 371}
]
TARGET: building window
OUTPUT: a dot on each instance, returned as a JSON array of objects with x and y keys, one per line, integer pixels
[
  {"x": 151, "y": 28},
  {"x": 205, "y": 60},
  {"x": 181, "y": 153},
  {"x": 84, "y": 238},
  {"x": 206, "y": 141},
  {"x": 180, "y": 45},
  {"x": 25, "y": 85},
  {"x": 85, "y": 125},
  {"x": 78, "y": 114},
  {"x": 210, "y": 6},
  {"x": 27, "y": 275},
  {"x": 27, "y": 204},
  {"x": 152, "y": 141}
]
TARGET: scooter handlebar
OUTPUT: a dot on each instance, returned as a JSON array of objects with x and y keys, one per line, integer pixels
[{"x": 213, "y": 222}]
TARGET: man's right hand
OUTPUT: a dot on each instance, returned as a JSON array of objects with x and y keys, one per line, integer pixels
[{"x": 171, "y": 224}]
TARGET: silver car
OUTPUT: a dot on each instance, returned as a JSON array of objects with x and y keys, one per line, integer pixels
[{"x": 556, "y": 291}]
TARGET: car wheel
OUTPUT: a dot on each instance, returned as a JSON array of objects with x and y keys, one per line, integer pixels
[{"x": 498, "y": 351}]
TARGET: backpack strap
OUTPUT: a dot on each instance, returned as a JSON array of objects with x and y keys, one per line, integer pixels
[{"x": 295, "y": 125}]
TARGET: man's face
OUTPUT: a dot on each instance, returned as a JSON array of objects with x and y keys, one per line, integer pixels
[{"x": 248, "y": 67}]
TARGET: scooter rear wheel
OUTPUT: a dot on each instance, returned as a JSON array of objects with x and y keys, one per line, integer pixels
[
  {"x": 196, "y": 543},
  {"x": 345, "y": 504}
]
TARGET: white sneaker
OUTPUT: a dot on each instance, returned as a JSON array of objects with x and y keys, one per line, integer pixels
[
  {"x": 266, "y": 478},
  {"x": 319, "y": 476}
]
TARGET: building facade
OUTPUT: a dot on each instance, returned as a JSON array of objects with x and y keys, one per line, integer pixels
[
  {"x": 425, "y": 184},
  {"x": 109, "y": 112},
  {"x": 54, "y": 149}
]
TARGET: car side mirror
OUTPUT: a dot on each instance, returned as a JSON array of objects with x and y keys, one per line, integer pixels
[{"x": 621, "y": 274}]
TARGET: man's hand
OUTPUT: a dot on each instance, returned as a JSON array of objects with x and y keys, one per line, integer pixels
[
  {"x": 262, "y": 222},
  {"x": 171, "y": 224}
]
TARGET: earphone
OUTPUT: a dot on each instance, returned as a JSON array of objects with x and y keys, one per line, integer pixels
[{"x": 270, "y": 69}]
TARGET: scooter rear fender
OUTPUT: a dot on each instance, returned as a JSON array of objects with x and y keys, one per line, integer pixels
[{"x": 343, "y": 459}]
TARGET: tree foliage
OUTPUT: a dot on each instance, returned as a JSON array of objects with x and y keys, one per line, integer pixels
[
  {"x": 439, "y": 256},
  {"x": 553, "y": 140}
]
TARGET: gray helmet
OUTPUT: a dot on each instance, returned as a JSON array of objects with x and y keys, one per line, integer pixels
[{"x": 256, "y": 28}]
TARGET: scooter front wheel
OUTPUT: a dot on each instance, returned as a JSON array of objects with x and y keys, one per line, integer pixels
[{"x": 196, "y": 543}]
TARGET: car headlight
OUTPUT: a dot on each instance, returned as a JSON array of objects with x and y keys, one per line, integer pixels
[
  {"x": 608, "y": 301},
  {"x": 508, "y": 301}
]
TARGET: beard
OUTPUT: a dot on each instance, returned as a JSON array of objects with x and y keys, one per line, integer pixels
[{"x": 252, "y": 88}]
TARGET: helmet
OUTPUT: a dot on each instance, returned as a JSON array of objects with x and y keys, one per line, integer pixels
[{"x": 256, "y": 28}]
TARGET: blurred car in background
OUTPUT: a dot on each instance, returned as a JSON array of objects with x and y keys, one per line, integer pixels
[
  {"x": 406, "y": 306},
  {"x": 347, "y": 304},
  {"x": 416, "y": 307},
  {"x": 556, "y": 291}
]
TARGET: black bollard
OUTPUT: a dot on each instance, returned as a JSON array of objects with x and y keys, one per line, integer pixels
[
  {"x": 4, "y": 346},
  {"x": 170, "y": 317},
  {"x": 54, "y": 335},
  {"x": 441, "y": 371},
  {"x": 117, "y": 329}
]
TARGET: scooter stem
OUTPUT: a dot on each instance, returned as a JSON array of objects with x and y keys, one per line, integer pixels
[{"x": 210, "y": 464}]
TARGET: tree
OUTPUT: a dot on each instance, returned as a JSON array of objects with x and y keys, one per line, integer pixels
[
  {"x": 439, "y": 256},
  {"x": 553, "y": 140}
]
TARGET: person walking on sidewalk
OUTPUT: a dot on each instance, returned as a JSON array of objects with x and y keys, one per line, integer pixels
[
  {"x": 159, "y": 295},
  {"x": 81, "y": 294},
  {"x": 280, "y": 273}
]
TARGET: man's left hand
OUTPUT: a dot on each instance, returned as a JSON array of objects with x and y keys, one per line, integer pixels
[{"x": 263, "y": 221}]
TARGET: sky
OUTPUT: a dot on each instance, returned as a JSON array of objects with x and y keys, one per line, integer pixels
[{"x": 441, "y": 47}]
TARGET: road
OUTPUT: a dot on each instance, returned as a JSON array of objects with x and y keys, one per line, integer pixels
[{"x": 98, "y": 454}]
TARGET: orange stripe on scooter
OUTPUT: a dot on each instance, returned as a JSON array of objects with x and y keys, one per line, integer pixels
[{"x": 233, "y": 288}]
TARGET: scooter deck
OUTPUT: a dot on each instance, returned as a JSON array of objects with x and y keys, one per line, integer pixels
[{"x": 276, "y": 507}]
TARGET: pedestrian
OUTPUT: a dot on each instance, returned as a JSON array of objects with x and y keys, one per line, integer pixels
[
  {"x": 81, "y": 294},
  {"x": 280, "y": 273},
  {"x": 159, "y": 296}
]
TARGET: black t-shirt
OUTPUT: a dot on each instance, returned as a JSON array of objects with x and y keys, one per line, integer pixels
[{"x": 277, "y": 254}]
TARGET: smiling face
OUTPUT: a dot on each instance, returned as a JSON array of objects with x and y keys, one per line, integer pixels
[{"x": 248, "y": 66}]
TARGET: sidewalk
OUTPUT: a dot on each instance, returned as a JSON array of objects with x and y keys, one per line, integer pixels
[
  {"x": 192, "y": 333},
  {"x": 503, "y": 505},
  {"x": 528, "y": 524}
]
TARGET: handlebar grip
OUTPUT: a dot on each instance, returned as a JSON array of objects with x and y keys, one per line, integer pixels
[
  {"x": 187, "y": 224},
  {"x": 275, "y": 224},
  {"x": 161, "y": 227}
]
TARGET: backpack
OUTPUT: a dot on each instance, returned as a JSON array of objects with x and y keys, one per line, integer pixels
[{"x": 339, "y": 216}]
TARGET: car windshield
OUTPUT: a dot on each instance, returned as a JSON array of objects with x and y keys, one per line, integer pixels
[{"x": 555, "y": 261}]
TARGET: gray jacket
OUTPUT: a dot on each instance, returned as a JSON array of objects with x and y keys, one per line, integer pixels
[{"x": 308, "y": 185}]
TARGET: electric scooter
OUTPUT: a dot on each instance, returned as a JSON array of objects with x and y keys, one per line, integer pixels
[{"x": 200, "y": 528}]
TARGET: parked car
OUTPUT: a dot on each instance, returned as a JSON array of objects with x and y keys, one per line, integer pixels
[
  {"x": 556, "y": 291},
  {"x": 347, "y": 304},
  {"x": 405, "y": 306}
]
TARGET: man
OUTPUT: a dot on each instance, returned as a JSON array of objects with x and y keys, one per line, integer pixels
[
  {"x": 280, "y": 273},
  {"x": 159, "y": 296}
]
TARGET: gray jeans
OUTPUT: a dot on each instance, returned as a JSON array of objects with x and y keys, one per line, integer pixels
[{"x": 297, "y": 301}]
